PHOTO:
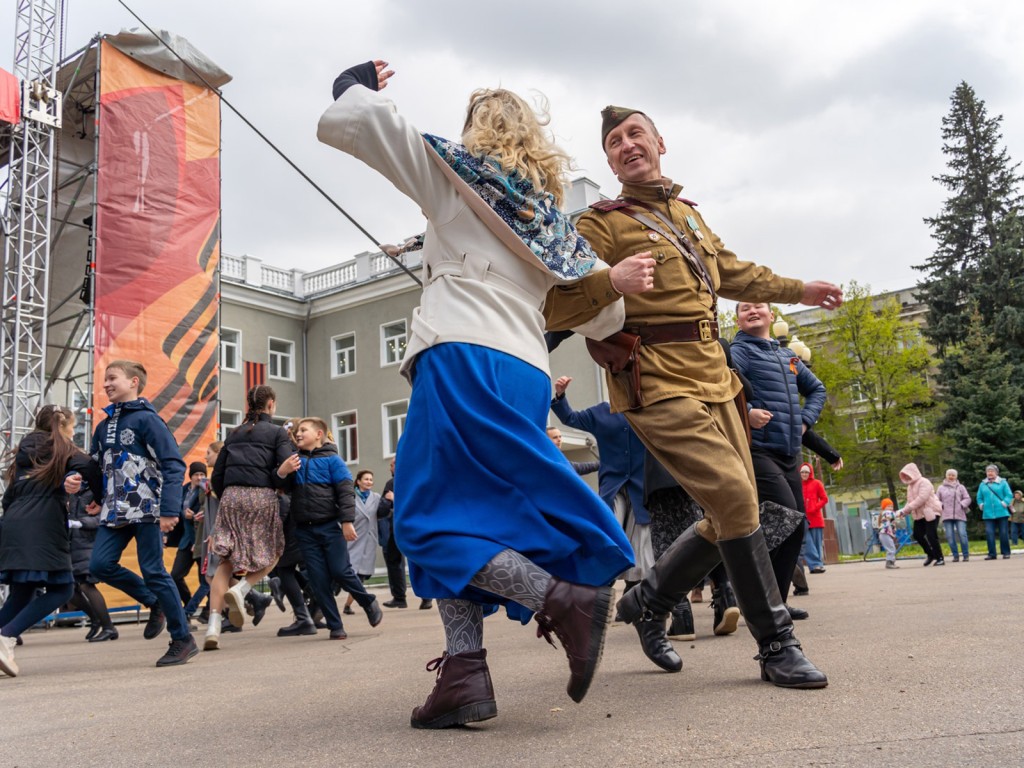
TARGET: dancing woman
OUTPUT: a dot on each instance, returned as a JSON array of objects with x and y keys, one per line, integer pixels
[{"x": 490, "y": 535}]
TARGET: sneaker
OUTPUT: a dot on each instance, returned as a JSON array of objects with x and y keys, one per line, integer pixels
[
  {"x": 890, "y": 565},
  {"x": 1006, "y": 557},
  {"x": 939, "y": 562},
  {"x": 990, "y": 557},
  {"x": 7, "y": 663},
  {"x": 373, "y": 612},
  {"x": 155, "y": 623},
  {"x": 178, "y": 652},
  {"x": 396, "y": 604},
  {"x": 338, "y": 634},
  {"x": 820, "y": 569}
]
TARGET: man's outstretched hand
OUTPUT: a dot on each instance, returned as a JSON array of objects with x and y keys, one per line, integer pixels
[{"x": 818, "y": 293}]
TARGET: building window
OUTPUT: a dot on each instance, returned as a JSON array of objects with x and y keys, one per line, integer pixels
[
  {"x": 343, "y": 351},
  {"x": 229, "y": 420},
  {"x": 862, "y": 393},
  {"x": 230, "y": 350},
  {"x": 393, "y": 337},
  {"x": 394, "y": 425},
  {"x": 866, "y": 430},
  {"x": 280, "y": 359},
  {"x": 346, "y": 435}
]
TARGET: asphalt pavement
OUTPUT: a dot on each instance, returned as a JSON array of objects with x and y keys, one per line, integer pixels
[{"x": 924, "y": 666}]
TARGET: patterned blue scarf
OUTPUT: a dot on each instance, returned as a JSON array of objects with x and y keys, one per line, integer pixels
[{"x": 532, "y": 215}]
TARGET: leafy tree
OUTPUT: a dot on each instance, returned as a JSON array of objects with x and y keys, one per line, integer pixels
[
  {"x": 875, "y": 367},
  {"x": 981, "y": 418},
  {"x": 978, "y": 256}
]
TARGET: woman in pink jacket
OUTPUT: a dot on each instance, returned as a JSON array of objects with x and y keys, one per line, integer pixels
[
  {"x": 955, "y": 501},
  {"x": 924, "y": 507}
]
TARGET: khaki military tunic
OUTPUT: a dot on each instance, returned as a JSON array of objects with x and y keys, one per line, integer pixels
[{"x": 688, "y": 420}]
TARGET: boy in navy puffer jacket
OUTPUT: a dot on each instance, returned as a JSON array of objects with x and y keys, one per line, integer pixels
[
  {"x": 142, "y": 475},
  {"x": 323, "y": 509}
]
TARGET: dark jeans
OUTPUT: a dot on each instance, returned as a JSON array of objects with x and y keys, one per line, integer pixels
[
  {"x": 155, "y": 586},
  {"x": 395, "y": 562},
  {"x": 23, "y": 610},
  {"x": 326, "y": 554},
  {"x": 778, "y": 480},
  {"x": 181, "y": 568},
  {"x": 999, "y": 526},
  {"x": 926, "y": 533}
]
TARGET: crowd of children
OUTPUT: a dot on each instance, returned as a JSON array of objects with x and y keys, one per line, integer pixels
[{"x": 275, "y": 501}]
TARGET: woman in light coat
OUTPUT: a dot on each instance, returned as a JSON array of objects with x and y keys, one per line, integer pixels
[
  {"x": 955, "y": 501},
  {"x": 477, "y": 527},
  {"x": 924, "y": 507},
  {"x": 362, "y": 551}
]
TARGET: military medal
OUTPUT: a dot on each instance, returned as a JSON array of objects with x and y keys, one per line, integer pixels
[{"x": 692, "y": 222}]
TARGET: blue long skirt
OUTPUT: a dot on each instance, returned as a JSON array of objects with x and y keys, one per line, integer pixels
[{"x": 477, "y": 474}]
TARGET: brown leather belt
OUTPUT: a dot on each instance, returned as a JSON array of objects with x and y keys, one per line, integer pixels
[{"x": 701, "y": 330}]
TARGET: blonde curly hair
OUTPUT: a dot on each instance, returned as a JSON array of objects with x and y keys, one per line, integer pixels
[{"x": 500, "y": 124}]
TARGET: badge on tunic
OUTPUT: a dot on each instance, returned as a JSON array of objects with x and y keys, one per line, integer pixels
[
  {"x": 692, "y": 223},
  {"x": 654, "y": 236}
]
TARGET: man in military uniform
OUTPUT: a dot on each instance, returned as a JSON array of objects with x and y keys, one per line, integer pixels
[{"x": 687, "y": 416}]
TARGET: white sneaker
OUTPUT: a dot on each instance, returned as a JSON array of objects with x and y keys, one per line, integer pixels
[
  {"x": 234, "y": 598},
  {"x": 7, "y": 664},
  {"x": 212, "y": 640}
]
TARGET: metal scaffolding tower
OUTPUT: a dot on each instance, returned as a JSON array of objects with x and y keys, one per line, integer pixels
[{"x": 27, "y": 219}]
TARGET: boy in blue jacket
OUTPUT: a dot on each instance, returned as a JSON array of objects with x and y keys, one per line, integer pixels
[
  {"x": 323, "y": 510},
  {"x": 142, "y": 477}
]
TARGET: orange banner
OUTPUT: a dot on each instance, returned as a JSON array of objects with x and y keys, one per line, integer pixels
[{"x": 158, "y": 242}]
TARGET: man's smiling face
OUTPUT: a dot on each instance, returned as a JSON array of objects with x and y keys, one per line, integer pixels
[{"x": 634, "y": 150}]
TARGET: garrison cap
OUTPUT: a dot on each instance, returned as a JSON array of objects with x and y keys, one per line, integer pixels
[{"x": 611, "y": 117}]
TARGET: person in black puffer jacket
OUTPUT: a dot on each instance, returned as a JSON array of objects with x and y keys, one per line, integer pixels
[
  {"x": 35, "y": 550},
  {"x": 248, "y": 536}
]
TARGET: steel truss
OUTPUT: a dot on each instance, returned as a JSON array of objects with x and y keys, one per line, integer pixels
[{"x": 27, "y": 220}]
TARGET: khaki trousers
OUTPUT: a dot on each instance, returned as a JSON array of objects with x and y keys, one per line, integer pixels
[{"x": 704, "y": 447}]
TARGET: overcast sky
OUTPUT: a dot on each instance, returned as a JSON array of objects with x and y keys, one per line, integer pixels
[{"x": 808, "y": 131}]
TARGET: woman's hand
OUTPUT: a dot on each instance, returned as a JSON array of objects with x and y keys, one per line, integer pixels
[
  {"x": 758, "y": 417},
  {"x": 383, "y": 73}
]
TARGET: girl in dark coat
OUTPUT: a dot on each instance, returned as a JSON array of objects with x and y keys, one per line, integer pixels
[{"x": 35, "y": 550}]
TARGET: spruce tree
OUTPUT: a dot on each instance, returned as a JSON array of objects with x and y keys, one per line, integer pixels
[
  {"x": 977, "y": 258},
  {"x": 982, "y": 414}
]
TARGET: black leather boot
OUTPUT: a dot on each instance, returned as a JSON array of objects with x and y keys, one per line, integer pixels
[
  {"x": 647, "y": 605},
  {"x": 681, "y": 626},
  {"x": 259, "y": 603},
  {"x": 727, "y": 614},
  {"x": 757, "y": 593}
]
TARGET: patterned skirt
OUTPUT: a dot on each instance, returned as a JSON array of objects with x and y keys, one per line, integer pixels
[{"x": 248, "y": 530}]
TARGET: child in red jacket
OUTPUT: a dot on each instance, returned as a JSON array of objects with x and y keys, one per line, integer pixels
[{"x": 815, "y": 500}]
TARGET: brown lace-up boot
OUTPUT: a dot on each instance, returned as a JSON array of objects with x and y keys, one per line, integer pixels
[
  {"x": 462, "y": 693},
  {"x": 579, "y": 616}
]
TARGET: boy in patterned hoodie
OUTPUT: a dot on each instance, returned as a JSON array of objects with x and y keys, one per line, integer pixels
[{"x": 142, "y": 476}]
